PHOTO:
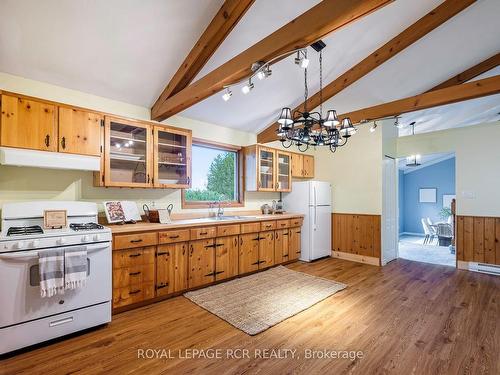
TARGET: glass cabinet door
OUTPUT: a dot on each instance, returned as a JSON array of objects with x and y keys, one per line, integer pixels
[
  {"x": 266, "y": 169},
  {"x": 127, "y": 151},
  {"x": 283, "y": 171},
  {"x": 172, "y": 158}
]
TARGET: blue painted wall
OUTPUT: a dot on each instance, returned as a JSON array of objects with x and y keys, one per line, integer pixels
[
  {"x": 401, "y": 181},
  {"x": 441, "y": 176}
]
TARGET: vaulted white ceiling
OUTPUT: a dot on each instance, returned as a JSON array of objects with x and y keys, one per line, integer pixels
[{"x": 128, "y": 50}]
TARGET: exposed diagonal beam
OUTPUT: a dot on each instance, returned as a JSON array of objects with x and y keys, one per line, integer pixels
[
  {"x": 320, "y": 20},
  {"x": 219, "y": 28},
  {"x": 448, "y": 95},
  {"x": 470, "y": 73},
  {"x": 410, "y": 35}
]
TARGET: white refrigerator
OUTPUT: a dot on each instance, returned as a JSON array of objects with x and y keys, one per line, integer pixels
[{"x": 314, "y": 200}]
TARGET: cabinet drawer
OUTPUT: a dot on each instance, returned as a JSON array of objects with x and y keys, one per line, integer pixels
[
  {"x": 250, "y": 227},
  {"x": 297, "y": 222},
  {"x": 132, "y": 294},
  {"x": 267, "y": 225},
  {"x": 128, "y": 241},
  {"x": 134, "y": 275},
  {"x": 133, "y": 257},
  {"x": 228, "y": 230},
  {"x": 280, "y": 224},
  {"x": 172, "y": 236},
  {"x": 200, "y": 233}
]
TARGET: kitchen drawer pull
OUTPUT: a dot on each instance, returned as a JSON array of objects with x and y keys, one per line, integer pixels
[
  {"x": 285, "y": 256},
  {"x": 210, "y": 274},
  {"x": 162, "y": 253},
  {"x": 203, "y": 233},
  {"x": 297, "y": 252},
  {"x": 219, "y": 272},
  {"x": 56, "y": 323},
  {"x": 219, "y": 245},
  {"x": 256, "y": 239},
  {"x": 134, "y": 273},
  {"x": 262, "y": 261},
  {"x": 161, "y": 286},
  {"x": 209, "y": 246},
  {"x": 135, "y": 291},
  {"x": 136, "y": 241},
  {"x": 253, "y": 264},
  {"x": 135, "y": 255},
  {"x": 172, "y": 237},
  {"x": 298, "y": 232},
  {"x": 285, "y": 234}
]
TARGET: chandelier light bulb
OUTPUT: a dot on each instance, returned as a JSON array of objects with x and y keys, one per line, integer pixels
[{"x": 304, "y": 63}]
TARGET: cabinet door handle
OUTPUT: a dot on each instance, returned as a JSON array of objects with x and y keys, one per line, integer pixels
[
  {"x": 219, "y": 272},
  {"x": 285, "y": 256},
  {"x": 277, "y": 236},
  {"x": 241, "y": 241},
  {"x": 189, "y": 180},
  {"x": 136, "y": 241},
  {"x": 210, "y": 274},
  {"x": 262, "y": 261},
  {"x": 148, "y": 178},
  {"x": 161, "y": 286},
  {"x": 254, "y": 264},
  {"x": 134, "y": 273},
  {"x": 63, "y": 142},
  {"x": 47, "y": 140},
  {"x": 134, "y": 255},
  {"x": 135, "y": 291}
]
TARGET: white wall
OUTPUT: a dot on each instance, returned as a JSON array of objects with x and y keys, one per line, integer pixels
[
  {"x": 477, "y": 150},
  {"x": 21, "y": 183}
]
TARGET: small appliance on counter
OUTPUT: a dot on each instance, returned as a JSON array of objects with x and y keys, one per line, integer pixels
[
  {"x": 31, "y": 229},
  {"x": 158, "y": 215}
]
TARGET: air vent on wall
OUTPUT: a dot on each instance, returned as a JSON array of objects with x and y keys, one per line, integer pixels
[{"x": 490, "y": 269}]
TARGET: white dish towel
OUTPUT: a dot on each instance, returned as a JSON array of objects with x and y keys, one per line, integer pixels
[{"x": 62, "y": 269}]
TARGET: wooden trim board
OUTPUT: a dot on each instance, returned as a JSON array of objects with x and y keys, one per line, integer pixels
[{"x": 356, "y": 258}]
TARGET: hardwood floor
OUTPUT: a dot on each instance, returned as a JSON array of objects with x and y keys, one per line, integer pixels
[{"x": 406, "y": 318}]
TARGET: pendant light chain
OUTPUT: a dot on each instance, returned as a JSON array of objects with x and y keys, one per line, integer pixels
[
  {"x": 306, "y": 89},
  {"x": 321, "y": 83}
]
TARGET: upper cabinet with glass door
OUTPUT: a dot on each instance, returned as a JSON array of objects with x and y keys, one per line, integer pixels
[
  {"x": 266, "y": 169},
  {"x": 172, "y": 157},
  {"x": 283, "y": 171},
  {"x": 127, "y": 153}
]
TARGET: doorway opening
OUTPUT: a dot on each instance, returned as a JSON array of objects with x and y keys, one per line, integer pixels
[{"x": 426, "y": 196}]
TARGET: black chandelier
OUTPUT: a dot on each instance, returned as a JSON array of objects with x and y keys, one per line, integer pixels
[{"x": 306, "y": 128}]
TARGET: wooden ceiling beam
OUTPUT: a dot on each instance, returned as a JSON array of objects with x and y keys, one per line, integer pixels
[
  {"x": 436, "y": 98},
  {"x": 219, "y": 28},
  {"x": 410, "y": 35},
  {"x": 320, "y": 20},
  {"x": 470, "y": 73}
]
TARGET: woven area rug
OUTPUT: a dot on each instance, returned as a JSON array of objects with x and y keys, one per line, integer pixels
[{"x": 257, "y": 302}]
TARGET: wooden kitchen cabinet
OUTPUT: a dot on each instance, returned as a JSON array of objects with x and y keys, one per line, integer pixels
[
  {"x": 201, "y": 262},
  {"x": 127, "y": 153},
  {"x": 260, "y": 168},
  {"x": 172, "y": 157},
  {"x": 80, "y": 131},
  {"x": 266, "y": 249},
  {"x": 281, "y": 246},
  {"x": 28, "y": 123},
  {"x": 302, "y": 166},
  {"x": 249, "y": 253},
  {"x": 171, "y": 268},
  {"x": 226, "y": 257},
  {"x": 294, "y": 245},
  {"x": 283, "y": 171}
]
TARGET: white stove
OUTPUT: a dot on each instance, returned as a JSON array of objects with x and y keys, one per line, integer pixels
[{"x": 25, "y": 317}]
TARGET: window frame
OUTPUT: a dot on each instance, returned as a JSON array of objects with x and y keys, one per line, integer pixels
[{"x": 239, "y": 176}]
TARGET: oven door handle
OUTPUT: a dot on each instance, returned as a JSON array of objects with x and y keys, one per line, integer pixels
[{"x": 34, "y": 254}]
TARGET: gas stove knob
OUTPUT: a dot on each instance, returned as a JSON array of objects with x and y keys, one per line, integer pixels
[
  {"x": 35, "y": 243},
  {"x": 18, "y": 245},
  {"x": 96, "y": 237},
  {"x": 61, "y": 241},
  {"x": 85, "y": 238}
]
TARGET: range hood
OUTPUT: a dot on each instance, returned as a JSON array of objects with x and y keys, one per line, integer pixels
[{"x": 46, "y": 159}]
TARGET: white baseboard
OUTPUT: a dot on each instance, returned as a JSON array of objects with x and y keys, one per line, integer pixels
[{"x": 356, "y": 258}]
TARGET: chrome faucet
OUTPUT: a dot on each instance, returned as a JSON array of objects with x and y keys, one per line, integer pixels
[{"x": 220, "y": 210}]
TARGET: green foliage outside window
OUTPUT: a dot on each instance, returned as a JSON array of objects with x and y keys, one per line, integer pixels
[{"x": 220, "y": 181}]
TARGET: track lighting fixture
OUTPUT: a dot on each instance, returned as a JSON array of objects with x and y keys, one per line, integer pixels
[
  {"x": 227, "y": 95},
  {"x": 374, "y": 127},
  {"x": 248, "y": 87}
]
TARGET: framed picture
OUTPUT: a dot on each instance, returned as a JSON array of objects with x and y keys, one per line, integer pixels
[
  {"x": 119, "y": 211},
  {"x": 427, "y": 195},
  {"x": 55, "y": 219}
]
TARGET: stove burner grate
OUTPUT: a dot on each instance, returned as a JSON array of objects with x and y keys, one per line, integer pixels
[{"x": 24, "y": 231}]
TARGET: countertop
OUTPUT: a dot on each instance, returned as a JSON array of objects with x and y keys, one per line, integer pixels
[{"x": 190, "y": 223}]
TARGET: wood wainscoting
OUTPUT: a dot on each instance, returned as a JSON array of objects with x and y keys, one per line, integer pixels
[
  {"x": 478, "y": 239},
  {"x": 356, "y": 237}
]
